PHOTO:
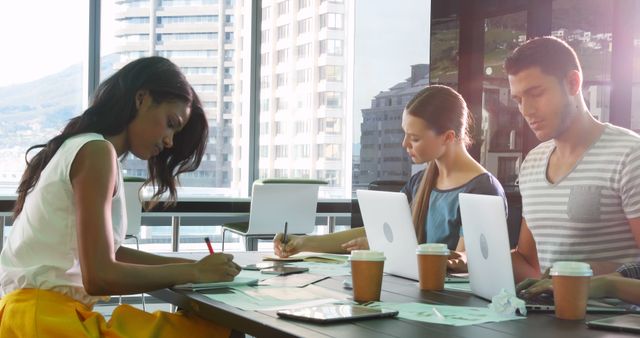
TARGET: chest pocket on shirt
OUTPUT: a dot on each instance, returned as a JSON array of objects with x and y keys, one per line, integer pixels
[{"x": 584, "y": 204}]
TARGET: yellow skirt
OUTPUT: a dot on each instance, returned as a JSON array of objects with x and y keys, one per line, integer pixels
[{"x": 44, "y": 313}]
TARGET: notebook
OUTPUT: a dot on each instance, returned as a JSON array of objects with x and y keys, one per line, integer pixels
[{"x": 238, "y": 281}]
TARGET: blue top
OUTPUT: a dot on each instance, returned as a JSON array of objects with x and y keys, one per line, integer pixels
[{"x": 443, "y": 223}]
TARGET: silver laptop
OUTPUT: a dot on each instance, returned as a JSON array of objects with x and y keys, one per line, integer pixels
[
  {"x": 486, "y": 239},
  {"x": 389, "y": 227},
  {"x": 273, "y": 204}
]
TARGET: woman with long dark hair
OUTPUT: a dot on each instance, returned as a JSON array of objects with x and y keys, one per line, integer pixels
[{"x": 64, "y": 251}]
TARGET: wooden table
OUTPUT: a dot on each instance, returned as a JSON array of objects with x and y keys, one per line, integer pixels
[{"x": 395, "y": 289}]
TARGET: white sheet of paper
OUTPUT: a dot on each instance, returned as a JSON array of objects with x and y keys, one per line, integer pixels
[
  {"x": 446, "y": 314},
  {"x": 275, "y": 298}
]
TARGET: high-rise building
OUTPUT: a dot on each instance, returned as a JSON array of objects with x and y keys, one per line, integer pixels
[
  {"x": 381, "y": 154},
  {"x": 303, "y": 120},
  {"x": 199, "y": 36},
  {"x": 304, "y": 115}
]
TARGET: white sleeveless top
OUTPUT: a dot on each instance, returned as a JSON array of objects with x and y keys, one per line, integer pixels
[{"x": 42, "y": 250}]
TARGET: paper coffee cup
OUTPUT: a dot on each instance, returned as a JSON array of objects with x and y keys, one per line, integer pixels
[
  {"x": 432, "y": 265},
  {"x": 366, "y": 273},
  {"x": 571, "y": 289}
]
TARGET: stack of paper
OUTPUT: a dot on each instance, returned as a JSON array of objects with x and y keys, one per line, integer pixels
[
  {"x": 310, "y": 257},
  {"x": 269, "y": 298},
  {"x": 445, "y": 314}
]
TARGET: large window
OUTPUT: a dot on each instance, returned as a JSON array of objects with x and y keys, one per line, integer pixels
[
  {"x": 501, "y": 125},
  {"x": 443, "y": 65},
  {"x": 317, "y": 87},
  {"x": 42, "y": 67},
  {"x": 635, "y": 100},
  {"x": 588, "y": 31},
  {"x": 299, "y": 101},
  {"x": 388, "y": 70},
  {"x": 190, "y": 39}
]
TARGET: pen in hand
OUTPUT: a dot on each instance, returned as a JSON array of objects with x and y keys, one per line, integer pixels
[
  {"x": 206, "y": 240},
  {"x": 284, "y": 237}
]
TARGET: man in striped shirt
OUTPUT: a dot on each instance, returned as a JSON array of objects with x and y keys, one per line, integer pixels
[{"x": 581, "y": 186}]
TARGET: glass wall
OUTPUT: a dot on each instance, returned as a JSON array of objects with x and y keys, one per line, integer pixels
[
  {"x": 635, "y": 103},
  {"x": 211, "y": 53},
  {"x": 502, "y": 125},
  {"x": 42, "y": 76},
  {"x": 586, "y": 25},
  {"x": 445, "y": 37},
  {"x": 332, "y": 96},
  {"x": 391, "y": 64}
]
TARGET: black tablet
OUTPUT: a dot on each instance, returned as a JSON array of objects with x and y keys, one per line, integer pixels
[
  {"x": 336, "y": 313},
  {"x": 260, "y": 266},
  {"x": 283, "y": 270},
  {"x": 627, "y": 323}
]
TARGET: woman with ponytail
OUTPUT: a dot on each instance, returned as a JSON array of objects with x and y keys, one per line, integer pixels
[
  {"x": 64, "y": 251},
  {"x": 436, "y": 124}
]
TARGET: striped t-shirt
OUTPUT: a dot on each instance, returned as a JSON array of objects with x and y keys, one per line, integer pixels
[{"x": 584, "y": 215}]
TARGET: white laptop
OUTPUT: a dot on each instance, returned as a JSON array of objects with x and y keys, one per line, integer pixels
[
  {"x": 486, "y": 239},
  {"x": 389, "y": 227},
  {"x": 273, "y": 204}
]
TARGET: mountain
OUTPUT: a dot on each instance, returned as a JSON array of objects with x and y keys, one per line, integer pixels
[{"x": 34, "y": 111}]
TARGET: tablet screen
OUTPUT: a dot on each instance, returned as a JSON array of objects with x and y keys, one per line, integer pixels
[
  {"x": 629, "y": 323},
  {"x": 333, "y": 313}
]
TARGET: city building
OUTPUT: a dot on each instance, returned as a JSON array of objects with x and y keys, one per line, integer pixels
[
  {"x": 381, "y": 154},
  {"x": 199, "y": 36},
  {"x": 304, "y": 115}
]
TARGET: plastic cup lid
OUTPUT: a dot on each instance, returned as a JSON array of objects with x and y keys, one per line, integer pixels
[
  {"x": 433, "y": 249},
  {"x": 571, "y": 269},
  {"x": 367, "y": 255}
]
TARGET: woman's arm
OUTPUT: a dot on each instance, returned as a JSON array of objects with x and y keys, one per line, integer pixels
[
  {"x": 616, "y": 286},
  {"x": 128, "y": 255},
  {"x": 330, "y": 243},
  {"x": 93, "y": 178}
]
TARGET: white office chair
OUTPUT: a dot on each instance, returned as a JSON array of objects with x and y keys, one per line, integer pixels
[
  {"x": 274, "y": 202},
  {"x": 132, "y": 187}
]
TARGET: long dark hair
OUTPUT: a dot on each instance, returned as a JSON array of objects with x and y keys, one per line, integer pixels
[
  {"x": 443, "y": 109},
  {"x": 112, "y": 109}
]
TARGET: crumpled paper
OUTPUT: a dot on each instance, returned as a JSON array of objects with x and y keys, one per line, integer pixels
[{"x": 506, "y": 303}]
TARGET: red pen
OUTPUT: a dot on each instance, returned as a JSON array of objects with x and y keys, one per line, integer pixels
[{"x": 206, "y": 239}]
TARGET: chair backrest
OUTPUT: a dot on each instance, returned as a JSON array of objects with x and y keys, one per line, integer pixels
[
  {"x": 387, "y": 185},
  {"x": 134, "y": 207},
  {"x": 514, "y": 218},
  {"x": 274, "y": 202}
]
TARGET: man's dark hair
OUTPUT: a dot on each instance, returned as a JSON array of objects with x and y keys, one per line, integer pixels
[{"x": 554, "y": 57}]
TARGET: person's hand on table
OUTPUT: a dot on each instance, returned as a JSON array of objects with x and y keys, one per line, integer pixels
[
  {"x": 457, "y": 262},
  {"x": 359, "y": 243},
  {"x": 531, "y": 287}
]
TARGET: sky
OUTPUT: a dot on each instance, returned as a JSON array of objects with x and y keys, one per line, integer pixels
[
  {"x": 42, "y": 37},
  {"x": 390, "y": 36}
]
